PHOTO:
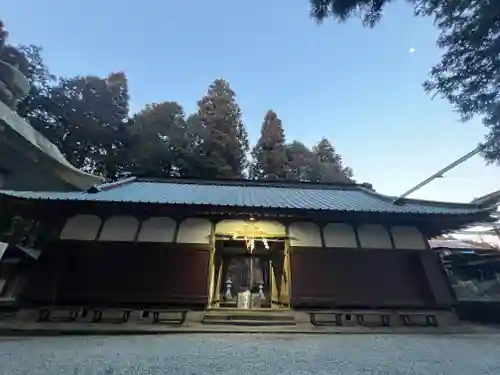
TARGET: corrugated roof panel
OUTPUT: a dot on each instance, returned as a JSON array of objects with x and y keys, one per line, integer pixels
[
  {"x": 458, "y": 244},
  {"x": 310, "y": 198}
]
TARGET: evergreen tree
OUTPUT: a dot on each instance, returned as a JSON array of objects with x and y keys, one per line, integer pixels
[
  {"x": 269, "y": 159},
  {"x": 159, "y": 140},
  {"x": 223, "y": 143},
  {"x": 299, "y": 161},
  {"x": 327, "y": 164}
]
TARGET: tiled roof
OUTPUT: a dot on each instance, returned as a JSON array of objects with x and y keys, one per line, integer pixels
[{"x": 300, "y": 196}]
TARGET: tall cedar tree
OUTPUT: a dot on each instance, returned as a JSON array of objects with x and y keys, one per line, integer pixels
[
  {"x": 468, "y": 75},
  {"x": 299, "y": 161},
  {"x": 223, "y": 138},
  {"x": 269, "y": 159},
  {"x": 327, "y": 165}
]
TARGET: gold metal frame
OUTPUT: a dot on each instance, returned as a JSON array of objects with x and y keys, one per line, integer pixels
[
  {"x": 214, "y": 282},
  {"x": 282, "y": 296},
  {"x": 211, "y": 265}
]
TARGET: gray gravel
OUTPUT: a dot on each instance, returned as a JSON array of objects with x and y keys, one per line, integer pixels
[{"x": 252, "y": 354}]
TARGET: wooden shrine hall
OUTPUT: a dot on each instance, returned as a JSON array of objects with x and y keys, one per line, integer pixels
[{"x": 199, "y": 245}]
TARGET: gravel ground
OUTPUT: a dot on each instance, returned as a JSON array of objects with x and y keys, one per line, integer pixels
[{"x": 252, "y": 354}]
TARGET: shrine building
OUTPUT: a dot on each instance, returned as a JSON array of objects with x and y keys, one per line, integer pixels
[{"x": 197, "y": 245}]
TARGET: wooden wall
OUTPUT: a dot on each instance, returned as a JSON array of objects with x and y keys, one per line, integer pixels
[
  {"x": 120, "y": 274},
  {"x": 101, "y": 273},
  {"x": 368, "y": 278}
]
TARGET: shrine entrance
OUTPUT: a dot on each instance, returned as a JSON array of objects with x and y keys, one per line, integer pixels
[
  {"x": 250, "y": 267},
  {"x": 246, "y": 279}
]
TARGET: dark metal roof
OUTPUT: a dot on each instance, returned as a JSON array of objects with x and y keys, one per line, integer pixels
[
  {"x": 256, "y": 194},
  {"x": 492, "y": 198},
  {"x": 458, "y": 244}
]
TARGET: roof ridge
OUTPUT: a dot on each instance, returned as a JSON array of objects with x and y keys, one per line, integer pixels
[
  {"x": 425, "y": 202},
  {"x": 245, "y": 182},
  {"x": 488, "y": 199},
  {"x": 431, "y": 202},
  {"x": 110, "y": 185}
]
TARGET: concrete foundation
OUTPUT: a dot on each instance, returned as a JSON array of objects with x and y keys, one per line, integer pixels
[{"x": 27, "y": 322}]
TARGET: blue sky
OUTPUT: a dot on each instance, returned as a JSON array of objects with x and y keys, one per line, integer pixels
[{"x": 360, "y": 88}]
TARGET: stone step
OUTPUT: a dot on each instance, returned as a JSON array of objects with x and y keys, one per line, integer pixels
[
  {"x": 249, "y": 323},
  {"x": 231, "y": 304},
  {"x": 250, "y": 311},
  {"x": 263, "y": 318},
  {"x": 249, "y": 317}
]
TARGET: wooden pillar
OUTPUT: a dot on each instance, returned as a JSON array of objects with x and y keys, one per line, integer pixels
[
  {"x": 211, "y": 276},
  {"x": 274, "y": 290},
  {"x": 280, "y": 276},
  {"x": 219, "y": 272},
  {"x": 285, "y": 285},
  {"x": 438, "y": 282},
  {"x": 217, "y": 265},
  {"x": 275, "y": 274},
  {"x": 211, "y": 265}
]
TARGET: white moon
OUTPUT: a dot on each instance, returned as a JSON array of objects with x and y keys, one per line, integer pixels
[{"x": 412, "y": 50}]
